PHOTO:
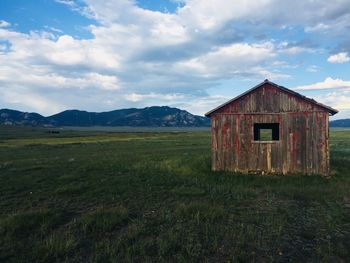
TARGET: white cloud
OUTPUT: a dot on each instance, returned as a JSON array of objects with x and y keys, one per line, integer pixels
[
  {"x": 81, "y": 9},
  {"x": 39, "y": 78},
  {"x": 235, "y": 59},
  {"x": 69, "y": 3},
  {"x": 105, "y": 82},
  {"x": 328, "y": 83},
  {"x": 338, "y": 100},
  {"x": 135, "y": 97},
  {"x": 341, "y": 57},
  {"x": 4, "y": 23},
  {"x": 202, "y": 105},
  {"x": 289, "y": 49},
  {"x": 27, "y": 100},
  {"x": 211, "y": 14},
  {"x": 137, "y": 56},
  {"x": 328, "y": 25},
  {"x": 313, "y": 69},
  {"x": 297, "y": 50},
  {"x": 317, "y": 27}
]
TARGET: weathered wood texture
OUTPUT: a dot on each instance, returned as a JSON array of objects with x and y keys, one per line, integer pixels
[{"x": 301, "y": 148}]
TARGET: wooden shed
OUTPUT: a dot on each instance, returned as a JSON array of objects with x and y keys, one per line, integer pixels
[{"x": 271, "y": 129}]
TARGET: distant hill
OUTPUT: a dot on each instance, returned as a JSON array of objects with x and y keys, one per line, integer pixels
[
  {"x": 343, "y": 123},
  {"x": 14, "y": 117},
  {"x": 155, "y": 116}
]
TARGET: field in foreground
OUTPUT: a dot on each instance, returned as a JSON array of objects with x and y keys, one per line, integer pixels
[{"x": 115, "y": 197}]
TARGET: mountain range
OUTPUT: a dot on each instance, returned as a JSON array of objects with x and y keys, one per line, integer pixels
[
  {"x": 156, "y": 116},
  {"x": 342, "y": 123}
]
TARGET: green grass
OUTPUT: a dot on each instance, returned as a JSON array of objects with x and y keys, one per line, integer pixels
[
  {"x": 143, "y": 197},
  {"x": 266, "y": 135}
]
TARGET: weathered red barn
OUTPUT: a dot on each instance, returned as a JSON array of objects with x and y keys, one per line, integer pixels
[{"x": 271, "y": 129}]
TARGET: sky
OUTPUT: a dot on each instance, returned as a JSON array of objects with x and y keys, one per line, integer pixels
[{"x": 191, "y": 54}]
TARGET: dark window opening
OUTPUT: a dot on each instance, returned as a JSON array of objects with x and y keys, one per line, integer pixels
[{"x": 266, "y": 131}]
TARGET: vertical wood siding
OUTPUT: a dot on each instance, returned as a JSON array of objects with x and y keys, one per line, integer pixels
[
  {"x": 269, "y": 99},
  {"x": 302, "y": 146}
]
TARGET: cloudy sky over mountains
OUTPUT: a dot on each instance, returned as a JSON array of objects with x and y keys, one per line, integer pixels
[{"x": 192, "y": 54}]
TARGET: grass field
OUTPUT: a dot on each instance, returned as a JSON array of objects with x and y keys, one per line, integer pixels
[{"x": 85, "y": 196}]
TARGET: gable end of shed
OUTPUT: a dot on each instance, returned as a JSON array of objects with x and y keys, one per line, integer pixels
[{"x": 269, "y": 97}]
